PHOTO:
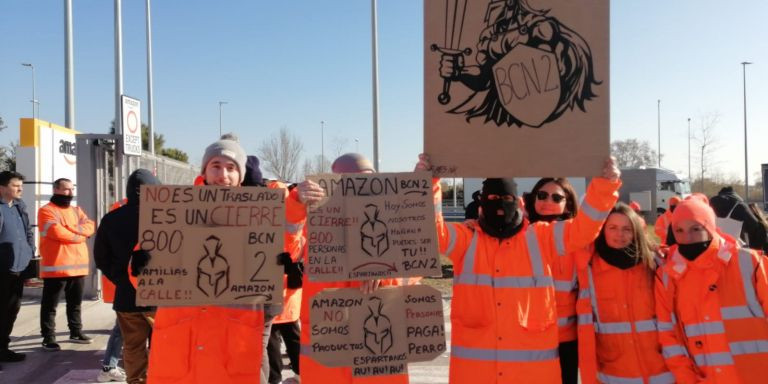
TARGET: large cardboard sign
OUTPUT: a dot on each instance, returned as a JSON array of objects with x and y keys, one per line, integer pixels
[
  {"x": 211, "y": 245},
  {"x": 516, "y": 88},
  {"x": 373, "y": 226},
  {"x": 379, "y": 333}
]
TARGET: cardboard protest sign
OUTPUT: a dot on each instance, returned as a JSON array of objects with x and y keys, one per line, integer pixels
[
  {"x": 372, "y": 226},
  {"x": 516, "y": 88},
  {"x": 378, "y": 333},
  {"x": 211, "y": 245}
]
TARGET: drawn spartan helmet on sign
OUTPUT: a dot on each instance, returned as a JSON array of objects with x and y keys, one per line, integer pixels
[
  {"x": 377, "y": 328},
  {"x": 373, "y": 233},
  {"x": 212, "y": 269}
]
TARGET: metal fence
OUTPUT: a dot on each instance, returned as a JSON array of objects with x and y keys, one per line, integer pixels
[{"x": 168, "y": 171}]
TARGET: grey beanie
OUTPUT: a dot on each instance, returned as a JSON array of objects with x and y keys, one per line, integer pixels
[
  {"x": 351, "y": 163},
  {"x": 228, "y": 146}
]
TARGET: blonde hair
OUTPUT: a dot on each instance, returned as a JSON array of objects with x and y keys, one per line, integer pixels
[{"x": 643, "y": 246}]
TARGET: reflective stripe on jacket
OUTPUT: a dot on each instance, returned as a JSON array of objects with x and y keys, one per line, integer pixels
[
  {"x": 711, "y": 312},
  {"x": 503, "y": 308},
  {"x": 618, "y": 340},
  {"x": 211, "y": 344},
  {"x": 566, "y": 287},
  {"x": 63, "y": 232}
]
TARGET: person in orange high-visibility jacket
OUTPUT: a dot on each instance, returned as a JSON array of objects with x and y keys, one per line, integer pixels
[
  {"x": 503, "y": 312},
  {"x": 214, "y": 344},
  {"x": 618, "y": 342},
  {"x": 286, "y": 325},
  {"x": 552, "y": 200},
  {"x": 311, "y": 370},
  {"x": 711, "y": 303},
  {"x": 64, "y": 228},
  {"x": 661, "y": 227}
]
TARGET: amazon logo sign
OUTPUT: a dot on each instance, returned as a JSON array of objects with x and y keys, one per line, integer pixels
[{"x": 68, "y": 151}]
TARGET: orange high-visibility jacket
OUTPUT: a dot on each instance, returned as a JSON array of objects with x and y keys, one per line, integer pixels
[
  {"x": 712, "y": 315},
  {"x": 662, "y": 225},
  {"x": 566, "y": 291},
  {"x": 618, "y": 342},
  {"x": 503, "y": 310},
  {"x": 212, "y": 344},
  {"x": 63, "y": 232},
  {"x": 311, "y": 370}
]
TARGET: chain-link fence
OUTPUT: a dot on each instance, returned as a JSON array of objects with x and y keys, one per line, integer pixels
[{"x": 168, "y": 171}]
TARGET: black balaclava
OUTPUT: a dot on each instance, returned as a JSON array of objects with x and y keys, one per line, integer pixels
[
  {"x": 62, "y": 201},
  {"x": 623, "y": 258},
  {"x": 494, "y": 224},
  {"x": 693, "y": 250}
]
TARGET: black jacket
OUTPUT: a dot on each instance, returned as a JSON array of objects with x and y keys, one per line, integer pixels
[
  {"x": 116, "y": 237},
  {"x": 752, "y": 232}
]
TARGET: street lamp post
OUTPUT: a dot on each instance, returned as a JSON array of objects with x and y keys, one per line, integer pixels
[
  {"x": 322, "y": 146},
  {"x": 746, "y": 161},
  {"x": 220, "y": 104},
  {"x": 34, "y": 100},
  {"x": 658, "y": 118},
  {"x": 357, "y": 145}
]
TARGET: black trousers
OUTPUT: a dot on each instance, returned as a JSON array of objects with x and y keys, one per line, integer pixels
[
  {"x": 11, "y": 286},
  {"x": 73, "y": 292},
  {"x": 569, "y": 361},
  {"x": 291, "y": 333}
]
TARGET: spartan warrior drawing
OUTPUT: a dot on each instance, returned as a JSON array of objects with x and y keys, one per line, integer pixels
[
  {"x": 212, "y": 269},
  {"x": 377, "y": 328},
  {"x": 374, "y": 236},
  {"x": 530, "y": 68}
]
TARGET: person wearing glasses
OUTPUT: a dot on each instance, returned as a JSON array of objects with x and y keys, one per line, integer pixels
[
  {"x": 552, "y": 200},
  {"x": 503, "y": 312},
  {"x": 618, "y": 339}
]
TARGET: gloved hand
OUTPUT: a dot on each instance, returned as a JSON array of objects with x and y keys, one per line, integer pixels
[
  {"x": 310, "y": 192},
  {"x": 293, "y": 271},
  {"x": 139, "y": 260}
]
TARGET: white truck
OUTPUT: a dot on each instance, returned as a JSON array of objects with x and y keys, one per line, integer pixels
[{"x": 652, "y": 188}]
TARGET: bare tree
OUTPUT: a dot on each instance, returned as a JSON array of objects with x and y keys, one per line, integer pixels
[
  {"x": 339, "y": 146},
  {"x": 707, "y": 143},
  {"x": 633, "y": 153},
  {"x": 315, "y": 165},
  {"x": 280, "y": 154}
]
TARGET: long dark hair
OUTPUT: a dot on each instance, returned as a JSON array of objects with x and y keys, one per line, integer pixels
[{"x": 571, "y": 203}]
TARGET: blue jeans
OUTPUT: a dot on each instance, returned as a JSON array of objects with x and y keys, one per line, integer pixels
[{"x": 114, "y": 348}]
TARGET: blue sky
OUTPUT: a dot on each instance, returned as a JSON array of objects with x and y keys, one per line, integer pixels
[{"x": 296, "y": 63}]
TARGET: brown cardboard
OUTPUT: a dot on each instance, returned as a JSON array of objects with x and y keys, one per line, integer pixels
[
  {"x": 211, "y": 245},
  {"x": 524, "y": 89},
  {"x": 379, "y": 333},
  {"x": 372, "y": 226}
]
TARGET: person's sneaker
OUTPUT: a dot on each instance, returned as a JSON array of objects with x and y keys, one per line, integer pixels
[
  {"x": 111, "y": 374},
  {"x": 79, "y": 338},
  {"x": 50, "y": 344},
  {"x": 8, "y": 356}
]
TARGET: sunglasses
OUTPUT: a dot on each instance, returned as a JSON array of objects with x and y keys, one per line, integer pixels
[{"x": 543, "y": 195}]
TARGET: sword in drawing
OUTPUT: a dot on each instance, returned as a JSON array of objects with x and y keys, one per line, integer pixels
[{"x": 455, "y": 10}]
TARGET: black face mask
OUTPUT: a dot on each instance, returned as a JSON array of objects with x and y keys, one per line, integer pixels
[
  {"x": 623, "y": 258},
  {"x": 693, "y": 250},
  {"x": 61, "y": 200},
  {"x": 550, "y": 218},
  {"x": 498, "y": 225}
]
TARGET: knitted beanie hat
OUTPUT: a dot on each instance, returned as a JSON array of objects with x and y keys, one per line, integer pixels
[
  {"x": 695, "y": 210},
  {"x": 227, "y": 146}
]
